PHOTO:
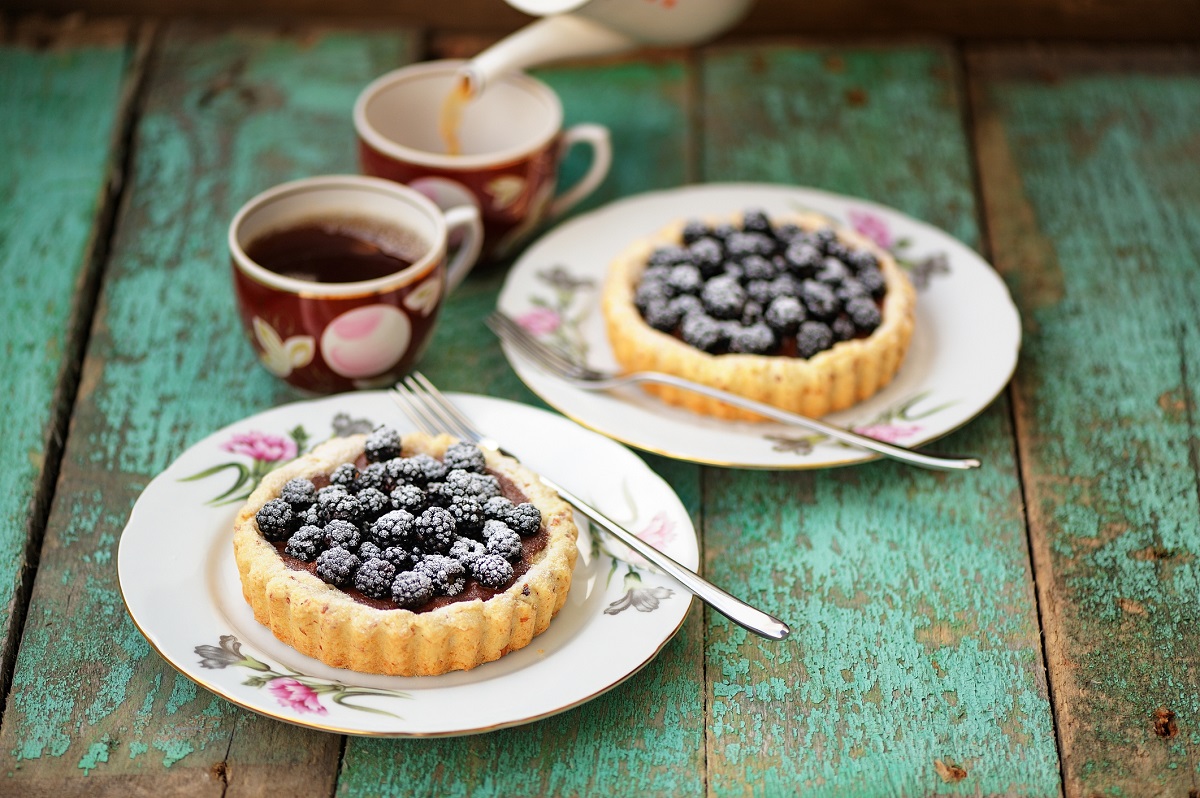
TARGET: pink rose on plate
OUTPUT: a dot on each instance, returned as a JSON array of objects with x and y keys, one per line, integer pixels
[
  {"x": 871, "y": 226},
  {"x": 540, "y": 321},
  {"x": 261, "y": 446},
  {"x": 295, "y": 695},
  {"x": 888, "y": 433},
  {"x": 659, "y": 532}
]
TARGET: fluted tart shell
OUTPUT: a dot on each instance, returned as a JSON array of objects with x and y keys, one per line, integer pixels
[
  {"x": 323, "y": 622},
  {"x": 834, "y": 379}
]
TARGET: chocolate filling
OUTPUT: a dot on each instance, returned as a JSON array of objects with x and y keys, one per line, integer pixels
[{"x": 530, "y": 547}]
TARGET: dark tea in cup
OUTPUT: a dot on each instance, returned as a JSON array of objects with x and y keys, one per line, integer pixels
[{"x": 336, "y": 250}]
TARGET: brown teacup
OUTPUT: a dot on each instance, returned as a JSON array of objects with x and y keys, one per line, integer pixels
[
  {"x": 510, "y": 141},
  {"x": 339, "y": 279}
]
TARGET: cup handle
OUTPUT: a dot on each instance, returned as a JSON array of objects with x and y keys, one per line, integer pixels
[
  {"x": 598, "y": 138},
  {"x": 466, "y": 218}
]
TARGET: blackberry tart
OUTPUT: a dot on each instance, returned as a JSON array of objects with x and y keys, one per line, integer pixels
[
  {"x": 792, "y": 312},
  {"x": 404, "y": 556}
]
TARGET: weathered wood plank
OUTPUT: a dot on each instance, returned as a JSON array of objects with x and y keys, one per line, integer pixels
[
  {"x": 64, "y": 100},
  {"x": 646, "y": 736},
  {"x": 1090, "y": 167},
  {"x": 93, "y": 711},
  {"x": 915, "y": 665}
]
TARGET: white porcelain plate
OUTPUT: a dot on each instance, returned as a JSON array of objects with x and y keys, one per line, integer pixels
[
  {"x": 181, "y": 586},
  {"x": 963, "y": 351}
]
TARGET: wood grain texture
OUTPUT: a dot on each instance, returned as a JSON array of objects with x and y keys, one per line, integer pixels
[
  {"x": 915, "y": 666},
  {"x": 646, "y": 736},
  {"x": 59, "y": 133},
  {"x": 1090, "y": 167},
  {"x": 93, "y": 710}
]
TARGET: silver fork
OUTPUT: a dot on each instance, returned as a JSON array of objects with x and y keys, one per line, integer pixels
[
  {"x": 562, "y": 365},
  {"x": 433, "y": 413}
]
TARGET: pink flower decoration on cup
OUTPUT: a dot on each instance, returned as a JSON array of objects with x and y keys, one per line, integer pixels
[
  {"x": 297, "y": 696},
  {"x": 871, "y": 226},
  {"x": 888, "y": 433},
  {"x": 261, "y": 446},
  {"x": 540, "y": 321}
]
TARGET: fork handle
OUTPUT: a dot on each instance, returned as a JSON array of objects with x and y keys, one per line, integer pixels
[
  {"x": 938, "y": 462},
  {"x": 730, "y": 606}
]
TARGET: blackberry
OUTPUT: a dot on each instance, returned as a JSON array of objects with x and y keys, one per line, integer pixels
[
  {"x": 382, "y": 444},
  {"x": 275, "y": 520},
  {"x": 375, "y": 475},
  {"x": 832, "y": 272},
  {"x": 409, "y": 498},
  {"x": 468, "y": 483},
  {"x": 420, "y": 469},
  {"x": 752, "y": 313},
  {"x": 843, "y": 328},
  {"x": 504, "y": 541},
  {"x": 374, "y": 503},
  {"x": 466, "y": 456},
  {"x": 663, "y": 316},
  {"x": 703, "y": 332},
  {"x": 785, "y": 285},
  {"x": 824, "y": 238},
  {"x": 367, "y": 550},
  {"x": 693, "y": 231},
  {"x": 467, "y": 512},
  {"x": 374, "y": 578},
  {"x": 864, "y": 313},
  {"x": 344, "y": 475},
  {"x": 837, "y": 249},
  {"x": 327, "y": 499},
  {"x": 492, "y": 570},
  {"x": 850, "y": 289},
  {"x": 862, "y": 259},
  {"x": 785, "y": 314},
  {"x": 685, "y": 279},
  {"x": 649, "y": 292},
  {"x": 668, "y": 256},
  {"x": 435, "y": 529},
  {"x": 399, "y": 556},
  {"x": 756, "y": 220},
  {"x": 494, "y": 526},
  {"x": 336, "y": 566},
  {"x": 759, "y": 291},
  {"x": 309, "y": 517},
  {"x": 411, "y": 589},
  {"x": 872, "y": 280},
  {"x": 438, "y": 494},
  {"x": 707, "y": 254},
  {"x": 787, "y": 231},
  {"x": 803, "y": 258},
  {"x": 306, "y": 543},
  {"x": 813, "y": 337},
  {"x": 299, "y": 492},
  {"x": 723, "y": 298},
  {"x": 739, "y": 245},
  {"x": 342, "y": 534},
  {"x": 819, "y": 300},
  {"x": 466, "y": 551},
  {"x": 497, "y": 508},
  {"x": 685, "y": 304},
  {"x": 732, "y": 270},
  {"x": 344, "y": 507},
  {"x": 393, "y": 528},
  {"x": 756, "y": 339},
  {"x": 526, "y": 519},
  {"x": 656, "y": 273},
  {"x": 723, "y": 231},
  {"x": 447, "y": 574},
  {"x": 756, "y": 267}
]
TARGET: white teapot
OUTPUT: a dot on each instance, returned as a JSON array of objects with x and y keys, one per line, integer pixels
[{"x": 582, "y": 28}]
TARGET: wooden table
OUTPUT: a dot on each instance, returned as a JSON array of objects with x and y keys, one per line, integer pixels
[{"x": 1029, "y": 628}]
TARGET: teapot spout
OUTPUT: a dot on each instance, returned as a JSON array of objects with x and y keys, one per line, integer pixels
[{"x": 549, "y": 39}]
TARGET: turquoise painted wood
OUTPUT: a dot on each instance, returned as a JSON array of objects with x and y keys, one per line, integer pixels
[
  {"x": 646, "y": 736},
  {"x": 93, "y": 710},
  {"x": 61, "y": 112},
  {"x": 1090, "y": 165},
  {"x": 915, "y": 666}
]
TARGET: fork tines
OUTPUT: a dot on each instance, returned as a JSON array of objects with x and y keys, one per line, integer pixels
[
  {"x": 546, "y": 355},
  {"x": 429, "y": 408}
]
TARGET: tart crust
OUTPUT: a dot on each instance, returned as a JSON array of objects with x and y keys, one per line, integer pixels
[
  {"x": 831, "y": 380},
  {"x": 323, "y": 622}
]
